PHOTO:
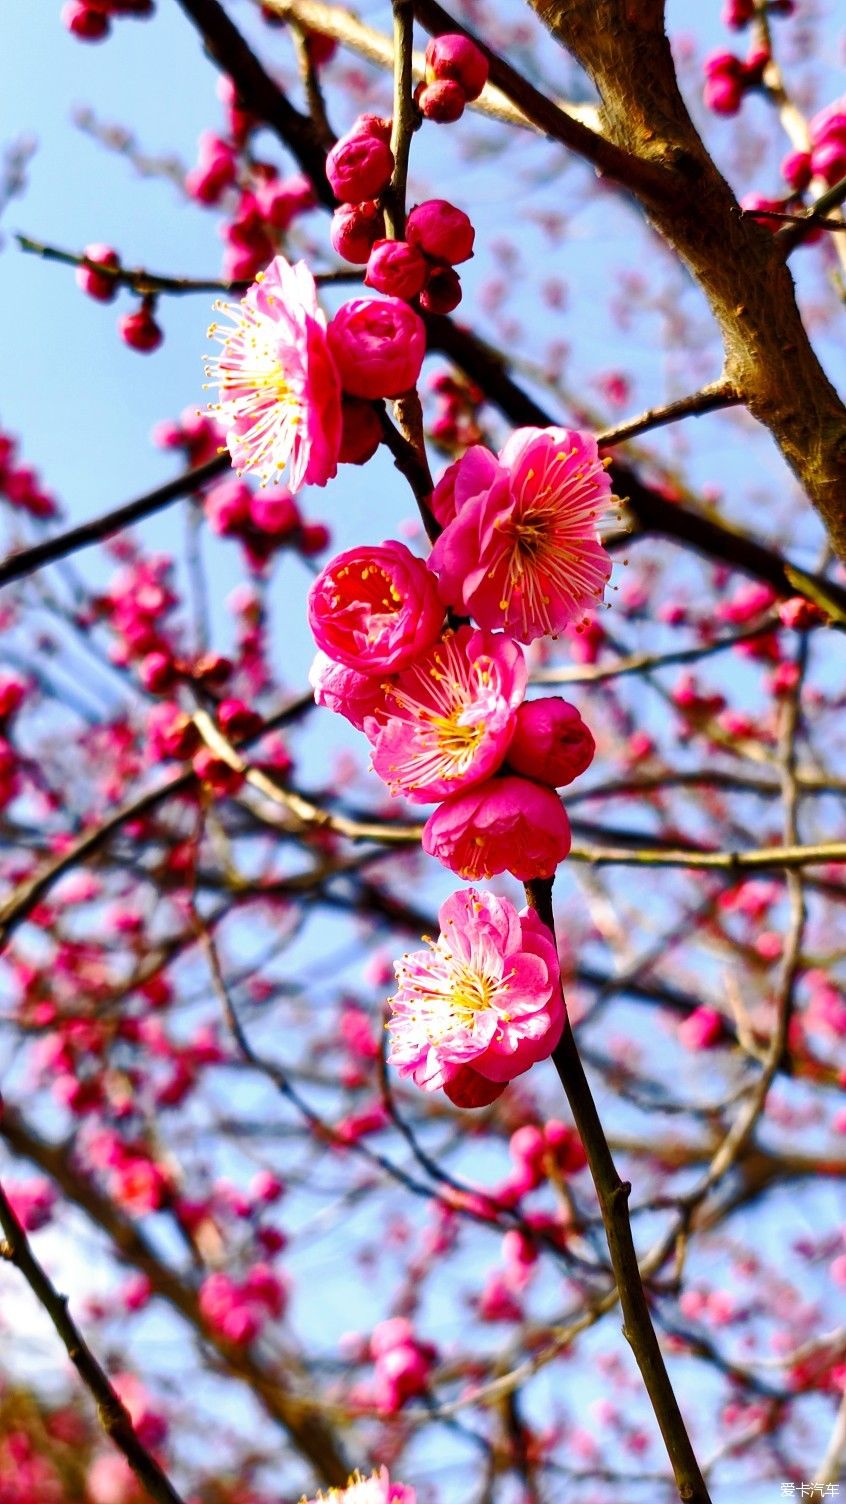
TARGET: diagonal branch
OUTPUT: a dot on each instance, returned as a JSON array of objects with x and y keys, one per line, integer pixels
[{"x": 112, "y": 1413}]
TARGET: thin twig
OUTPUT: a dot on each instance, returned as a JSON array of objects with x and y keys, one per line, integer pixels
[
  {"x": 112, "y": 1413},
  {"x": 709, "y": 399}
]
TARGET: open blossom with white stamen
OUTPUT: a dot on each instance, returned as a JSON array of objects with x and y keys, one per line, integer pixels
[
  {"x": 484, "y": 1001},
  {"x": 520, "y": 548},
  {"x": 280, "y": 396},
  {"x": 377, "y": 1489},
  {"x": 447, "y": 720}
]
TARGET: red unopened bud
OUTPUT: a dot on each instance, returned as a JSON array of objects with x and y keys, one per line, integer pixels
[
  {"x": 95, "y": 283},
  {"x": 456, "y": 58},
  {"x": 158, "y": 673},
  {"x": 361, "y": 433},
  {"x": 442, "y": 101},
  {"x": 442, "y": 292},
  {"x": 140, "y": 331},
  {"x": 215, "y": 773},
  {"x": 441, "y": 231},
  {"x": 314, "y": 537},
  {"x": 359, "y": 166},
  {"x": 396, "y": 268},
  {"x": 84, "y": 21},
  {"x": 237, "y": 720},
  {"x": 796, "y": 170},
  {"x": 211, "y": 668},
  {"x": 354, "y": 230}
]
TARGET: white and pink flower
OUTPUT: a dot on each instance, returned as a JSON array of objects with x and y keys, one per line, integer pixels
[
  {"x": 280, "y": 395},
  {"x": 482, "y": 1004},
  {"x": 447, "y": 720}
]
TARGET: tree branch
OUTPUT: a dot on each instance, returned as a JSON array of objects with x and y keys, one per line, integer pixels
[{"x": 113, "y": 1415}]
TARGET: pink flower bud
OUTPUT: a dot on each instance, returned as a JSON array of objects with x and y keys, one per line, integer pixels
[
  {"x": 828, "y": 159},
  {"x": 701, "y": 1029},
  {"x": 84, "y": 21},
  {"x": 457, "y": 58},
  {"x": 361, "y": 432},
  {"x": 442, "y": 101},
  {"x": 737, "y": 13},
  {"x": 158, "y": 673},
  {"x": 396, "y": 268},
  {"x": 441, "y": 231},
  {"x": 796, "y": 170},
  {"x": 140, "y": 331},
  {"x": 314, "y": 537},
  {"x": 551, "y": 742},
  {"x": 354, "y": 230},
  {"x": 274, "y": 512},
  {"x": 359, "y": 166},
  {"x": 504, "y": 825},
  {"x": 378, "y": 346},
  {"x": 95, "y": 283},
  {"x": 442, "y": 292}
]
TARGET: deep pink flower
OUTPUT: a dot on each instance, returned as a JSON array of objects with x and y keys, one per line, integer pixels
[
  {"x": 396, "y": 268},
  {"x": 375, "y": 609},
  {"x": 484, "y": 999},
  {"x": 504, "y": 825},
  {"x": 551, "y": 742},
  {"x": 441, "y": 231},
  {"x": 450, "y": 716},
  {"x": 377, "y": 1489},
  {"x": 359, "y": 166},
  {"x": 378, "y": 345},
  {"x": 344, "y": 690},
  {"x": 522, "y": 551},
  {"x": 280, "y": 399}
]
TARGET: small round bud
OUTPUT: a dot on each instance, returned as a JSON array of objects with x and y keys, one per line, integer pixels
[
  {"x": 361, "y": 433},
  {"x": 396, "y": 268},
  {"x": 95, "y": 283},
  {"x": 354, "y": 230},
  {"x": 455, "y": 57},
  {"x": 378, "y": 346},
  {"x": 441, "y": 231},
  {"x": 84, "y": 21},
  {"x": 442, "y": 101},
  {"x": 442, "y": 292},
  {"x": 797, "y": 171},
  {"x": 140, "y": 331},
  {"x": 359, "y": 166}
]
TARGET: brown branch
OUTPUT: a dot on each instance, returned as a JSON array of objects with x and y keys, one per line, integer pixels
[
  {"x": 720, "y": 394},
  {"x": 606, "y": 156},
  {"x": 613, "y": 1197},
  {"x": 739, "y": 264},
  {"x": 112, "y": 1413},
  {"x": 144, "y": 282},
  {"x": 307, "y": 1427},
  {"x": 27, "y": 560}
]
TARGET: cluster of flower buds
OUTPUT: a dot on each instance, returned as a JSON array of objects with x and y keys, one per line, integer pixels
[
  {"x": 91, "y": 20},
  {"x": 403, "y": 1363},
  {"x": 138, "y": 329},
  {"x": 738, "y": 13},
  {"x": 728, "y": 78},
  {"x": 262, "y": 521},
  {"x": 826, "y": 158},
  {"x": 456, "y": 74},
  {"x": 239, "y": 1309},
  {"x": 21, "y": 486},
  {"x": 456, "y": 425}
]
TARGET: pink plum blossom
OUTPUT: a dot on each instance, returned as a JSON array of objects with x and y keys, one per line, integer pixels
[
  {"x": 377, "y": 1489},
  {"x": 344, "y": 690},
  {"x": 375, "y": 609},
  {"x": 522, "y": 550},
  {"x": 483, "y": 1001},
  {"x": 503, "y": 825},
  {"x": 448, "y": 718},
  {"x": 280, "y": 401}
]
